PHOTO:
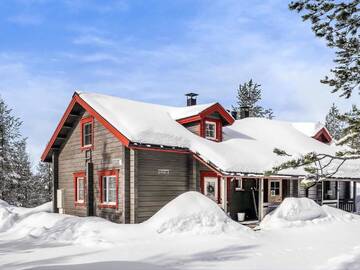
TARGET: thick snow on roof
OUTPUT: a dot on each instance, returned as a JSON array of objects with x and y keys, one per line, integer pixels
[
  {"x": 308, "y": 128},
  {"x": 183, "y": 112},
  {"x": 247, "y": 147}
]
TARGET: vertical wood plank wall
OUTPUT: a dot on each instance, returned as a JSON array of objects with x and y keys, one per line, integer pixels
[
  {"x": 156, "y": 188},
  {"x": 106, "y": 155}
]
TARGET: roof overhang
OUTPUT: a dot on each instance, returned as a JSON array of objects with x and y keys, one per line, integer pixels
[
  {"x": 71, "y": 111},
  {"x": 225, "y": 116}
]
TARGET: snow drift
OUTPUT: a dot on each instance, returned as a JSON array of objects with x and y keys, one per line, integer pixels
[
  {"x": 295, "y": 212},
  {"x": 195, "y": 213}
]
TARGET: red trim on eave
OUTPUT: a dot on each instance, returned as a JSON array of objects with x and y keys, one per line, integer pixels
[
  {"x": 179, "y": 151},
  {"x": 323, "y": 132},
  {"x": 77, "y": 99},
  {"x": 218, "y": 108},
  {"x": 102, "y": 120},
  {"x": 189, "y": 119},
  {"x": 214, "y": 108},
  {"x": 58, "y": 128},
  {"x": 207, "y": 165}
]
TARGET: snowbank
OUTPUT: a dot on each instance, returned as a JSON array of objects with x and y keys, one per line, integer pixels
[
  {"x": 295, "y": 212},
  {"x": 195, "y": 213},
  {"x": 11, "y": 214}
]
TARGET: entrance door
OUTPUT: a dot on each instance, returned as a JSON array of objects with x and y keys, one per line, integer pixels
[
  {"x": 275, "y": 191},
  {"x": 211, "y": 188}
]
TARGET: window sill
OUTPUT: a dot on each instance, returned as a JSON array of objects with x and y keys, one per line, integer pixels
[
  {"x": 87, "y": 147},
  {"x": 80, "y": 204},
  {"x": 114, "y": 206}
]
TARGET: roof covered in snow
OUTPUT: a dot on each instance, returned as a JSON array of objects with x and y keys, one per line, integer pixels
[
  {"x": 247, "y": 146},
  {"x": 308, "y": 128}
]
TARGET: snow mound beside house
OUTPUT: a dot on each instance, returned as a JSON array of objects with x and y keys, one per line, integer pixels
[
  {"x": 195, "y": 213},
  {"x": 296, "y": 212},
  {"x": 9, "y": 214}
]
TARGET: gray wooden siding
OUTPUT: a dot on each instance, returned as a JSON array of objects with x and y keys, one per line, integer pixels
[
  {"x": 106, "y": 155},
  {"x": 193, "y": 127},
  {"x": 154, "y": 188}
]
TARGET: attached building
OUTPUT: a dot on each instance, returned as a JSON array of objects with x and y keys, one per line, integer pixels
[{"x": 123, "y": 160}]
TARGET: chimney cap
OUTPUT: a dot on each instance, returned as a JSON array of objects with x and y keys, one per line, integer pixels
[{"x": 191, "y": 95}]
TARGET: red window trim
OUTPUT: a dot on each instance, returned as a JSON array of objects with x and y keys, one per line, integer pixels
[
  {"x": 108, "y": 173},
  {"x": 75, "y": 176},
  {"x": 218, "y": 128},
  {"x": 89, "y": 119},
  {"x": 204, "y": 174}
]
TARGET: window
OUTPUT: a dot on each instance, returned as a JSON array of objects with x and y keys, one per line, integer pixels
[
  {"x": 108, "y": 188},
  {"x": 87, "y": 129},
  {"x": 210, "y": 130},
  {"x": 87, "y": 134},
  {"x": 79, "y": 187},
  {"x": 211, "y": 188},
  {"x": 274, "y": 188},
  {"x": 238, "y": 184}
]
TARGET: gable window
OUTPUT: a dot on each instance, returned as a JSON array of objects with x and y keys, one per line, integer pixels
[
  {"x": 108, "y": 188},
  {"x": 79, "y": 186},
  {"x": 210, "y": 130},
  {"x": 87, "y": 130}
]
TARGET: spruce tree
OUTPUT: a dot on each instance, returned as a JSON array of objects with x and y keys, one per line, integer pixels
[
  {"x": 15, "y": 172},
  {"x": 43, "y": 184},
  {"x": 333, "y": 123},
  {"x": 9, "y": 135},
  {"x": 337, "y": 22},
  {"x": 249, "y": 95}
]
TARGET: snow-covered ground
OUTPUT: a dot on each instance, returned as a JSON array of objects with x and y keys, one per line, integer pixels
[{"x": 191, "y": 232}]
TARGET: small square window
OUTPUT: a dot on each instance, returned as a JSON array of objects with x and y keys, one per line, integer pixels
[{"x": 210, "y": 130}]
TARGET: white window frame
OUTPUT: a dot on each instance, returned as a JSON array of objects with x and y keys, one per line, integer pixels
[
  {"x": 78, "y": 189},
  {"x": 216, "y": 191},
  {"x": 215, "y": 130},
  {"x": 105, "y": 198},
  {"x": 240, "y": 187},
  {"x": 273, "y": 191},
  {"x": 91, "y": 133}
]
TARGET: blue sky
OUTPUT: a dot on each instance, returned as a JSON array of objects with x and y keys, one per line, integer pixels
[{"x": 156, "y": 51}]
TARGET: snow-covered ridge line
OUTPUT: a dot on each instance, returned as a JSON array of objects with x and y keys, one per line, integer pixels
[{"x": 247, "y": 147}]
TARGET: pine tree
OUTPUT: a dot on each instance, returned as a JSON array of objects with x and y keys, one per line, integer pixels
[
  {"x": 249, "y": 95},
  {"x": 9, "y": 135},
  {"x": 43, "y": 184},
  {"x": 15, "y": 171},
  {"x": 333, "y": 123},
  {"x": 337, "y": 22},
  {"x": 22, "y": 180}
]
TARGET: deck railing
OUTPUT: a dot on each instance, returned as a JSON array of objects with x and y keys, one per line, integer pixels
[{"x": 347, "y": 205}]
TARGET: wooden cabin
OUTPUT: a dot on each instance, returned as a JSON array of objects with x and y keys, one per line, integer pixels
[{"x": 123, "y": 160}]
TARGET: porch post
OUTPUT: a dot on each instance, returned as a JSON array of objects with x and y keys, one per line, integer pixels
[
  {"x": 55, "y": 179},
  {"x": 354, "y": 195},
  {"x": 224, "y": 193},
  {"x": 261, "y": 198},
  {"x": 337, "y": 194}
]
